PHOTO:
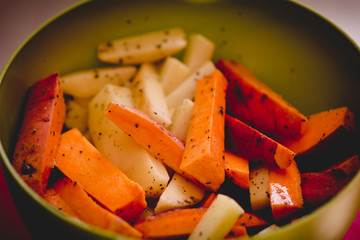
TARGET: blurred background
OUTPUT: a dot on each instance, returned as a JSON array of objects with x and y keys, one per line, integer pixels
[{"x": 19, "y": 18}]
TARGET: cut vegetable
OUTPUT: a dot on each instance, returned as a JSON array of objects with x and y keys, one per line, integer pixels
[
  {"x": 148, "y": 47},
  {"x": 328, "y": 138},
  {"x": 134, "y": 161},
  {"x": 83, "y": 163},
  {"x": 181, "y": 119},
  {"x": 218, "y": 220},
  {"x": 199, "y": 50},
  {"x": 76, "y": 116},
  {"x": 285, "y": 191},
  {"x": 87, "y": 210},
  {"x": 52, "y": 197},
  {"x": 148, "y": 94},
  {"x": 318, "y": 188},
  {"x": 179, "y": 193},
  {"x": 175, "y": 223},
  {"x": 40, "y": 132},
  {"x": 259, "y": 187},
  {"x": 172, "y": 73},
  {"x": 204, "y": 148},
  {"x": 87, "y": 83},
  {"x": 255, "y": 146},
  {"x": 237, "y": 169},
  {"x": 253, "y": 102},
  {"x": 348, "y": 167},
  {"x": 187, "y": 88},
  {"x": 149, "y": 134}
]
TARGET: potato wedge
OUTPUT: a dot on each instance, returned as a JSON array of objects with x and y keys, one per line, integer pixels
[
  {"x": 119, "y": 148},
  {"x": 187, "y": 88},
  {"x": 146, "y": 47},
  {"x": 181, "y": 119},
  {"x": 87, "y": 83},
  {"x": 148, "y": 94},
  {"x": 172, "y": 73},
  {"x": 179, "y": 193},
  {"x": 76, "y": 116},
  {"x": 259, "y": 187}
]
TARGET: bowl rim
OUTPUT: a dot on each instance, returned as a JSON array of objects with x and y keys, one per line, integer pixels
[{"x": 7, "y": 166}]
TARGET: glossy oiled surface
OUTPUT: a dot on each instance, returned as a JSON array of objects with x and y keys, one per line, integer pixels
[{"x": 297, "y": 53}]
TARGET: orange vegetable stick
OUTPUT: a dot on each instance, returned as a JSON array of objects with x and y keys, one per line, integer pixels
[
  {"x": 285, "y": 191},
  {"x": 40, "y": 132},
  {"x": 149, "y": 134},
  {"x": 250, "y": 220},
  {"x": 87, "y": 210},
  {"x": 176, "y": 223},
  {"x": 255, "y": 146},
  {"x": 253, "y": 102},
  {"x": 52, "y": 197},
  {"x": 350, "y": 166},
  {"x": 328, "y": 138},
  {"x": 237, "y": 169},
  {"x": 173, "y": 223},
  {"x": 237, "y": 231},
  {"x": 79, "y": 160},
  {"x": 208, "y": 200},
  {"x": 204, "y": 148}
]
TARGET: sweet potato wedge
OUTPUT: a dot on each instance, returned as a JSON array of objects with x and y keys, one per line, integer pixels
[
  {"x": 285, "y": 191},
  {"x": 255, "y": 103},
  {"x": 328, "y": 138},
  {"x": 79, "y": 160},
  {"x": 237, "y": 169},
  {"x": 87, "y": 210},
  {"x": 251, "y": 144},
  {"x": 40, "y": 132},
  {"x": 204, "y": 148},
  {"x": 318, "y": 188}
]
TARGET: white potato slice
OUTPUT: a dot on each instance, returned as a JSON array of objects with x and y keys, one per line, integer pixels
[
  {"x": 76, "y": 116},
  {"x": 187, "y": 88},
  {"x": 179, "y": 193},
  {"x": 218, "y": 220},
  {"x": 87, "y": 83},
  {"x": 199, "y": 50},
  {"x": 172, "y": 73},
  {"x": 259, "y": 187},
  {"x": 181, "y": 119},
  {"x": 119, "y": 148},
  {"x": 148, "y": 94},
  {"x": 148, "y": 47}
]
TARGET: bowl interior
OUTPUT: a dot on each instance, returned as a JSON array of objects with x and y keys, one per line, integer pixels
[{"x": 297, "y": 53}]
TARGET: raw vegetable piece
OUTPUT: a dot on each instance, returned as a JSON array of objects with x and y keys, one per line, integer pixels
[
  {"x": 172, "y": 73},
  {"x": 87, "y": 210},
  {"x": 52, "y": 197},
  {"x": 285, "y": 191},
  {"x": 170, "y": 224},
  {"x": 149, "y": 134},
  {"x": 236, "y": 232},
  {"x": 134, "y": 161},
  {"x": 181, "y": 119},
  {"x": 254, "y": 103},
  {"x": 179, "y": 193},
  {"x": 148, "y": 94},
  {"x": 218, "y": 220},
  {"x": 348, "y": 167},
  {"x": 76, "y": 116},
  {"x": 237, "y": 169},
  {"x": 147, "y": 47},
  {"x": 328, "y": 138},
  {"x": 259, "y": 187},
  {"x": 79, "y": 160},
  {"x": 187, "y": 88},
  {"x": 318, "y": 188},
  {"x": 40, "y": 132},
  {"x": 208, "y": 200},
  {"x": 204, "y": 148},
  {"x": 270, "y": 229},
  {"x": 251, "y": 144},
  {"x": 87, "y": 83},
  {"x": 199, "y": 50}
]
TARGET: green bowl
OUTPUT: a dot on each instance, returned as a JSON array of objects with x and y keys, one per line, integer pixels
[{"x": 295, "y": 51}]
